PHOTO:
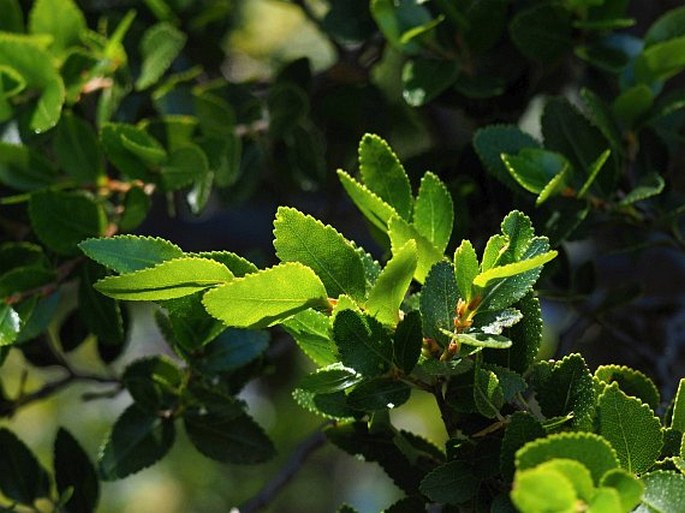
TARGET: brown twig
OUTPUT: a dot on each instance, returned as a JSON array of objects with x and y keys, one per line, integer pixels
[{"x": 62, "y": 273}]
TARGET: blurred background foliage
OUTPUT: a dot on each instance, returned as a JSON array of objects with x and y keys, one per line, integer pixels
[{"x": 324, "y": 75}]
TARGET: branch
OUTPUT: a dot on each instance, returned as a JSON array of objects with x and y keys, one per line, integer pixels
[{"x": 286, "y": 473}]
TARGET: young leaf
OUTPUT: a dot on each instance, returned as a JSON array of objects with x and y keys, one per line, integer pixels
[
  {"x": 391, "y": 287},
  {"x": 590, "y": 449},
  {"x": 593, "y": 172},
  {"x": 266, "y": 297},
  {"x": 22, "y": 478},
  {"x": 129, "y": 253},
  {"x": 171, "y": 279},
  {"x": 377, "y": 211},
  {"x": 63, "y": 219},
  {"x": 451, "y": 483},
  {"x": 379, "y": 394},
  {"x": 632, "y": 382},
  {"x": 648, "y": 186},
  {"x": 631, "y": 428},
  {"x": 400, "y": 233},
  {"x": 543, "y": 488},
  {"x": 74, "y": 470},
  {"x": 494, "y": 249},
  {"x": 10, "y": 324},
  {"x": 534, "y": 168},
  {"x": 160, "y": 45},
  {"x": 363, "y": 343},
  {"x": 508, "y": 270},
  {"x": 311, "y": 331},
  {"x": 661, "y": 61},
  {"x": 439, "y": 297},
  {"x": 228, "y": 437},
  {"x": 466, "y": 269},
  {"x": 301, "y": 238},
  {"x": 407, "y": 342},
  {"x": 65, "y": 29},
  {"x": 434, "y": 211},
  {"x": 487, "y": 393},
  {"x": 629, "y": 487},
  {"x": 238, "y": 265}
]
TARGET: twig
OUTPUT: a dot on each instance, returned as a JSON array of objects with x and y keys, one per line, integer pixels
[{"x": 286, "y": 473}]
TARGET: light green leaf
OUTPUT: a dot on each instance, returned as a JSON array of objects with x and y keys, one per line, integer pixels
[
  {"x": 670, "y": 25},
  {"x": 543, "y": 489},
  {"x": 311, "y": 331},
  {"x": 631, "y": 428},
  {"x": 78, "y": 149},
  {"x": 128, "y": 253},
  {"x": 451, "y": 483},
  {"x": 434, "y": 211},
  {"x": 400, "y": 233},
  {"x": 10, "y": 324},
  {"x": 383, "y": 174},
  {"x": 36, "y": 67},
  {"x": 534, "y": 168},
  {"x": 61, "y": 19},
  {"x": 633, "y": 103},
  {"x": 184, "y": 167},
  {"x": 137, "y": 440},
  {"x": 391, "y": 287},
  {"x": 554, "y": 187},
  {"x": 605, "y": 500},
  {"x": 678, "y": 416},
  {"x": 238, "y": 265},
  {"x": 577, "y": 474},
  {"x": 171, "y": 279},
  {"x": 466, "y": 269},
  {"x": 476, "y": 339},
  {"x": 160, "y": 45},
  {"x": 438, "y": 302},
  {"x": 632, "y": 382},
  {"x": 629, "y": 487},
  {"x": 494, "y": 249},
  {"x": 648, "y": 186},
  {"x": 301, "y": 238},
  {"x": 363, "y": 343},
  {"x": 664, "y": 492},
  {"x": 487, "y": 393},
  {"x": 593, "y": 451},
  {"x": 63, "y": 219},
  {"x": 267, "y": 297},
  {"x": 593, "y": 172},
  {"x": 377, "y": 211},
  {"x": 144, "y": 147},
  {"x": 518, "y": 229},
  {"x": 508, "y": 270},
  {"x": 661, "y": 61}
]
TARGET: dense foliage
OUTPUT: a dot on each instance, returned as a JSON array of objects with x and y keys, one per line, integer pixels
[{"x": 106, "y": 112}]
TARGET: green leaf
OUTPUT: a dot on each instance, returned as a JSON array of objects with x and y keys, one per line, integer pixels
[
  {"x": 171, "y": 279},
  {"x": 395, "y": 20},
  {"x": 144, "y": 147},
  {"x": 231, "y": 350},
  {"x": 425, "y": 79},
  {"x": 266, "y": 297},
  {"x": 13, "y": 18},
  {"x": 492, "y": 141},
  {"x": 159, "y": 46},
  {"x": 137, "y": 206},
  {"x": 333, "y": 378},
  {"x": 24, "y": 168},
  {"x": 451, "y": 483},
  {"x": 379, "y": 394},
  {"x": 377, "y": 211},
  {"x": 78, "y": 149},
  {"x": 678, "y": 415},
  {"x": 629, "y": 487},
  {"x": 407, "y": 342},
  {"x": 593, "y": 172},
  {"x": 227, "y": 437},
  {"x": 383, "y": 174},
  {"x": 363, "y": 343},
  {"x": 508, "y": 270},
  {"x": 522, "y": 428},
  {"x": 434, "y": 211},
  {"x": 101, "y": 314},
  {"x": 466, "y": 269},
  {"x": 661, "y": 61},
  {"x": 476, "y": 339},
  {"x": 74, "y": 470},
  {"x": 129, "y": 253},
  {"x": 487, "y": 393},
  {"x": 131, "y": 150},
  {"x": 633, "y": 103},
  {"x": 387, "y": 294},
  {"x": 648, "y": 186},
  {"x": 24, "y": 278},
  {"x": 543, "y": 489},
  {"x": 493, "y": 323},
  {"x": 10, "y": 324},
  {"x": 22, "y": 478},
  {"x": 542, "y": 32},
  {"x": 632, "y": 382},
  {"x": 631, "y": 428},
  {"x": 668, "y": 26},
  {"x": 301, "y": 238},
  {"x": 137, "y": 440},
  {"x": 311, "y": 331},
  {"x": 664, "y": 492},
  {"x": 566, "y": 386},
  {"x": 36, "y": 67},
  {"x": 63, "y": 219},
  {"x": 438, "y": 302},
  {"x": 406, "y": 505},
  {"x": 154, "y": 383},
  {"x": 534, "y": 168},
  {"x": 590, "y": 449},
  {"x": 184, "y": 166},
  {"x": 400, "y": 233},
  {"x": 65, "y": 29}
]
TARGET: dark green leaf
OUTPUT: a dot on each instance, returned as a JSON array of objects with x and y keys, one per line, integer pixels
[
  {"x": 333, "y": 378},
  {"x": 160, "y": 45},
  {"x": 664, "y": 492},
  {"x": 379, "y": 394},
  {"x": 670, "y": 25},
  {"x": 311, "y": 331},
  {"x": 542, "y": 32},
  {"x": 78, "y": 149},
  {"x": 22, "y": 478},
  {"x": 487, "y": 393},
  {"x": 633, "y": 103},
  {"x": 407, "y": 342},
  {"x": 217, "y": 118},
  {"x": 424, "y": 79},
  {"x": 12, "y": 19},
  {"x": 678, "y": 415},
  {"x": 24, "y": 168},
  {"x": 129, "y": 253},
  {"x": 63, "y": 219},
  {"x": 451, "y": 483},
  {"x": 184, "y": 166},
  {"x": 632, "y": 382},
  {"x": 406, "y": 505},
  {"x": 101, "y": 314},
  {"x": 136, "y": 205},
  {"x": 74, "y": 470},
  {"x": 301, "y": 238},
  {"x": 25, "y": 278},
  {"x": 522, "y": 428},
  {"x": 154, "y": 383},
  {"x": 131, "y": 150},
  {"x": 10, "y": 324},
  {"x": 439, "y": 297},
  {"x": 363, "y": 343},
  {"x": 231, "y": 350}
]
